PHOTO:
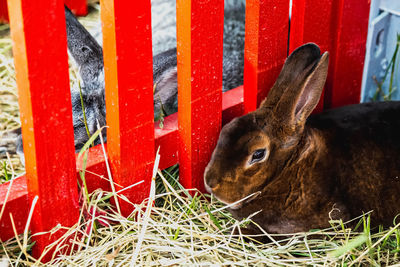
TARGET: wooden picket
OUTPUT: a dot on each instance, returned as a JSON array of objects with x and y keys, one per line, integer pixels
[
  {"x": 48, "y": 140},
  {"x": 199, "y": 48},
  {"x": 78, "y": 7},
  {"x": 189, "y": 136},
  {"x": 344, "y": 82},
  {"x": 3, "y": 11},
  {"x": 14, "y": 200},
  {"x": 266, "y": 40},
  {"x": 128, "y": 68}
]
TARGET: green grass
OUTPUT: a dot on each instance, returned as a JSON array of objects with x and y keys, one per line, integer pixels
[{"x": 391, "y": 69}]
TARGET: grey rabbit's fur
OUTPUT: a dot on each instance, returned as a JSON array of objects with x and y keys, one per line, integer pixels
[{"x": 88, "y": 55}]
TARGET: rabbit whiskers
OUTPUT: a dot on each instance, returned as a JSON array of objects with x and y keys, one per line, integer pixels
[{"x": 239, "y": 203}]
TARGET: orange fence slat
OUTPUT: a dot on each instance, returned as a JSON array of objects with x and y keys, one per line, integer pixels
[
  {"x": 199, "y": 46},
  {"x": 40, "y": 53},
  {"x": 129, "y": 94}
]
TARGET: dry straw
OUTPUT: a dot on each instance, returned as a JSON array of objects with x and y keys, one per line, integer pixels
[{"x": 185, "y": 227}]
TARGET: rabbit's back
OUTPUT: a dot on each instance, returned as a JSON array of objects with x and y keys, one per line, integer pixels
[
  {"x": 363, "y": 143},
  {"x": 376, "y": 116}
]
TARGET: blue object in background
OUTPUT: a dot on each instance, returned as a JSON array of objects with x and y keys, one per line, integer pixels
[{"x": 384, "y": 25}]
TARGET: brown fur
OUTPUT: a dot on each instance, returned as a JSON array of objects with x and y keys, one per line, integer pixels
[{"x": 337, "y": 164}]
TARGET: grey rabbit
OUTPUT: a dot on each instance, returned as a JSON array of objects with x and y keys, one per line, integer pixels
[{"x": 88, "y": 55}]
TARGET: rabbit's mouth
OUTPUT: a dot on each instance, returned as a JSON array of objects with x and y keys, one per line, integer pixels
[{"x": 239, "y": 203}]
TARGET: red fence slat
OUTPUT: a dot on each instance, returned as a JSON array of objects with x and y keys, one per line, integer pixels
[
  {"x": 266, "y": 36},
  {"x": 3, "y": 11},
  {"x": 79, "y": 7},
  {"x": 199, "y": 45},
  {"x": 38, "y": 30},
  {"x": 352, "y": 31},
  {"x": 17, "y": 205},
  {"x": 311, "y": 22},
  {"x": 167, "y": 139},
  {"x": 339, "y": 27},
  {"x": 232, "y": 104},
  {"x": 129, "y": 94}
]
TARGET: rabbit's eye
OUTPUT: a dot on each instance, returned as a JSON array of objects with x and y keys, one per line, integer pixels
[
  {"x": 85, "y": 49},
  {"x": 258, "y": 155}
]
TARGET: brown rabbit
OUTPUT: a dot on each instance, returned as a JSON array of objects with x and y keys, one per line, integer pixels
[{"x": 306, "y": 169}]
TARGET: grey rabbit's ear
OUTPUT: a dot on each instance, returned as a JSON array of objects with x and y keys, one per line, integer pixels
[
  {"x": 11, "y": 142},
  {"x": 165, "y": 82},
  {"x": 85, "y": 50},
  {"x": 299, "y": 86}
]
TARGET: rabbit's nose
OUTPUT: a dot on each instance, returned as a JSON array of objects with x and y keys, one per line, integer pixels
[
  {"x": 208, "y": 189},
  {"x": 210, "y": 181},
  {"x": 211, "y": 184}
]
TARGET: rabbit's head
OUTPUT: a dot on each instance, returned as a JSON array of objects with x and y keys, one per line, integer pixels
[{"x": 254, "y": 149}]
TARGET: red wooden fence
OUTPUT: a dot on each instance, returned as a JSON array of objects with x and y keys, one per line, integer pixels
[{"x": 187, "y": 137}]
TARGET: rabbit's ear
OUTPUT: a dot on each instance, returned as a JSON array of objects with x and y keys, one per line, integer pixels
[
  {"x": 85, "y": 50},
  {"x": 295, "y": 65},
  {"x": 311, "y": 90},
  {"x": 165, "y": 80},
  {"x": 302, "y": 96}
]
